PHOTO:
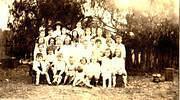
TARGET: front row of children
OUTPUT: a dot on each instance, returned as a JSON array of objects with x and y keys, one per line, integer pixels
[{"x": 80, "y": 73}]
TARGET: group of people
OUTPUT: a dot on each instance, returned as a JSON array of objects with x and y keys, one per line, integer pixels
[{"x": 78, "y": 56}]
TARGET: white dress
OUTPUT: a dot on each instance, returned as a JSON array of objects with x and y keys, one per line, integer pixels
[
  {"x": 106, "y": 67},
  {"x": 59, "y": 66},
  {"x": 93, "y": 69},
  {"x": 118, "y": 65}
]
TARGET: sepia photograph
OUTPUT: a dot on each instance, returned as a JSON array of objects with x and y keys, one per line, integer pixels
[{"x": 89, "y": 50}]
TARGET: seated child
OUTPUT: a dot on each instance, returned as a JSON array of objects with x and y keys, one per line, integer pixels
[
  {"x": 70, "y": 70},
  {"x": 93, "y": 70},
  {"x": 118, "y": 64},
  {"x": 59, "y": 68},
  {"x": 40, "y": 67},
  {"x": 80, "y": 77},
  {"x": 50, "y": 58}
]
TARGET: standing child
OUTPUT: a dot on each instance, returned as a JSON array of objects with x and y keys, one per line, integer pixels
[
  {"x": 118, "y": 63},
  {"x": 106, "y": 67},
  {"x": 93, "y": 70},
  {"x": 40, "y": 67}
]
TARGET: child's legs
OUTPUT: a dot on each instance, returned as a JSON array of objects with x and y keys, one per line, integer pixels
[
  {"x": 114, "y": 79},
  {"x": 55, "y": 78},
  {"x": 65, "y": 79},
  {"x": 124, "y": 79},
  {"x": 75, "y": 81},
  {"x": 104, "y": 80},
  {"x": 110, "y": 81},
  {"x": 47, "y": 78},
  {"x": 59, "y": 79},
  {"x": 37, "y": 77}
]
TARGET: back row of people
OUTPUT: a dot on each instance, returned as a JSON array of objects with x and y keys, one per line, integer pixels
[{"x": 92, "y": 56}]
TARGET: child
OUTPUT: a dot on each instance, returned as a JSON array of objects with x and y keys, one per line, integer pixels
[
  {"x": 80, "y": 74},
  {"x": 40, "y": 49},
  {"x": 100, "y": 36},
  {"x": 50, "y": 58},
  {"x": 59, "y": 45},
  {"x": 110, "y": 44},
  {"x": 67, "y": 48},
  {"x": 85, "y": 50},
  {"x": 70, "y": 69},
  {"x": 120, "y": 45},
  {"x": 51, "y": 43},
  {"x": 75, "y": 37},
  {"x": 40, "y": 67},
  {"x": 118, "y": 64},
  {"x": 106, "y": 67},
  {"x": 59, "y": 68},
  {"x": 50, "y": 35},
  {"x": 98, "y": 50},
  {"x": 93, "y": 70},
  {"x": 39, "y": 46},
  {"x": 57, "y": 32}
]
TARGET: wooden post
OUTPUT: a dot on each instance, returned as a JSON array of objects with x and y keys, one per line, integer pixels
[{"x": 169, "y": 74}]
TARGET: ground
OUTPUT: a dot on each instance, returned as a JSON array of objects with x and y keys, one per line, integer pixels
[{"x": 16, "y": 84}]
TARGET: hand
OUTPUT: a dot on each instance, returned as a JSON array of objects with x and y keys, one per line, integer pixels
[{"x": 42, "y": 72}]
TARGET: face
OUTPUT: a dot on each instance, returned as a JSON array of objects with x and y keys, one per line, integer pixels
[
  {"x": 41, "y": 47},
  {"x": 107, "y": 53},
  {"x": 41, "y": 40},
  {"x": 74, "y": 33},
  {"x": 39, "y": 59},
  {"x": 63, "y": 31},
  {"x": 67, "y": 41},
  {"x": 42, "y": 34},
  {"x": 92, "y": 41},
  {"x": 117, "y": 52},
  {"x": 108, "y": 35},
  {"x": 98, "y": 44},
  {"x": 50, "y": 32},
  {"x": 50, "y": 52},
  {"x": 78, "y": 24},
  {"x": 99, "y": 32},
  {"x": 71, "y": 60},
  {"x": 52, "y": 42},
  {"x": 88, "y": 31},
  {"x": 83, "y": 61},
  {"x": 109, "y": 42},
  {"x": 58, "y": 27},
  {"x": 119, "y": 40},
  {"x": 85, "y": 43},
  {"x": 94, "y": 60},
  {"x": 59, "y": 57},
  {"x": 59, "y": 42}
]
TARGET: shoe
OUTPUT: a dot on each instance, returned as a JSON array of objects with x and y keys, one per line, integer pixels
[
  {"x": 36, "y": 84},
  {"x": 49, "y": 84}
]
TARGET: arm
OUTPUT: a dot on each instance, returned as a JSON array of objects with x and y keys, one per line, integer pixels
[{"x": 35, "y": 66}]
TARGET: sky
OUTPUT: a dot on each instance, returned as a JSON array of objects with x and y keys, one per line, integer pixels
[
  {"x": 141, "y": 5},
  {"x": 4, "y": 13}
]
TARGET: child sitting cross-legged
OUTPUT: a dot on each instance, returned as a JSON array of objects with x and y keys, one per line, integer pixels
[
  {"x": 59, "y": 68},
  {"x": 40, "y": 67},
  {"x": 81, "y": 78}
]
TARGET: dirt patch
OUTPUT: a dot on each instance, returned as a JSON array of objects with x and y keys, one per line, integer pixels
[{"x": 16, "y": 84}]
